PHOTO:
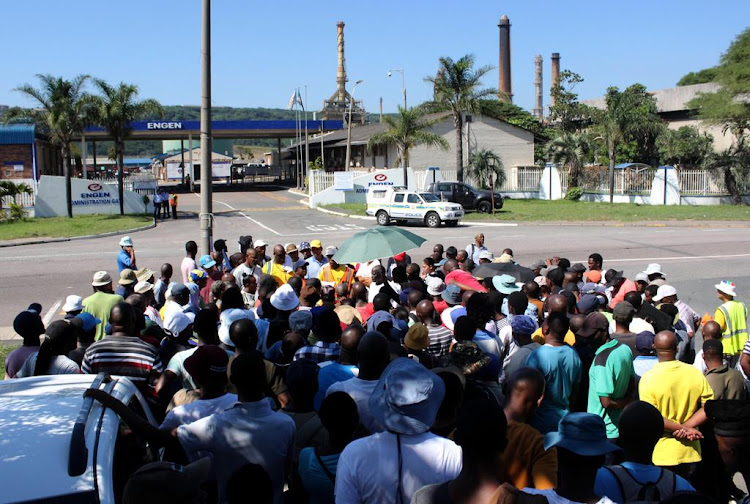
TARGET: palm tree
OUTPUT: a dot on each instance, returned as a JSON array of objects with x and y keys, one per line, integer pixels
[
  {"x": 8, "y": 188},
  {"x": 407, "y": 130},
  {"x": 457, "y": 89},
  {"x": 62, "y": 112},
  {"x": 570, "y": 150},
  {"x": 115, "y": 109},
  {"x": 486, "y": 168}
]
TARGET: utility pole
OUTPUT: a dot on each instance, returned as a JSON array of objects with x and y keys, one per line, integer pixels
[{"x": 206, "y": 215}]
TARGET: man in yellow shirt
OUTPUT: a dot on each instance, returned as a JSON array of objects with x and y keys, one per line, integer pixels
[
  {"x": 732, "y": 318},
  {"x": 555, "y": 303},
  {"x": 334, "y": 273},
  {"x": 276, "y": 268},
  {"x": 679, "y": 391}
]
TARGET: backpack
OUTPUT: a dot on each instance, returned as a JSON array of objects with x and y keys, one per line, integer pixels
[
  {"x": 633, "y": 491},
  {"x": 245, "y": 242}
]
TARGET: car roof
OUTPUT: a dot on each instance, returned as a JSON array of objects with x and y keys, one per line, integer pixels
[{"x": 36, "y": 420}]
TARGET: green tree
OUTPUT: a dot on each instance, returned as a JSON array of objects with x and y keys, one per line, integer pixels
[
  {"x": 457, "y": 88},
  {"x": 115, "y": 109},
  {"x": 486, "y": 168},
  {"x": 699, "y": 77},
  {"x": 12, "y": 190},
  {"x": 568, "y": 114},
  {"x": 630, "y": 114},
  {"x": 684, "y": 147},
  {"x": 571, "y": 150},
  {"x": 729, "y": 108},
  {"x": 62, "y": 113},
  {"x": 407, "y": 130}
]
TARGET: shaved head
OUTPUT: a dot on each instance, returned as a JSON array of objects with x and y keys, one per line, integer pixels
[
  {"x": 450, "y": 265},
  {"x": 358, "y": 291},
  {"x": 711, "y": 330},
  {"x": 351, "y": 336},
  {"x": 557, "y": 304},
  {"x": 426, "y": 311},
  {"x": 665, "y": 345}
]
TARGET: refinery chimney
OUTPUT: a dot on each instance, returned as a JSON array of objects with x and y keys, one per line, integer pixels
[
  {"x": 555, "y": 75},
  {"x": 538, "y": 110},
  {"x": 505, "y": 88},
  {"x": 341, "y": 70}
]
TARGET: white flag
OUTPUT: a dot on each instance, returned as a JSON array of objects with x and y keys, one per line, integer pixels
[
  {"x": 299, "y": 99},
  {"x": 293, "y": 100}
]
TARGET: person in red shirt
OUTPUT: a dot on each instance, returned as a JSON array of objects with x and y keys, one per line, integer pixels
[
  {"x": 620, "y": 286},
  {"x": 464, "y": 279}
]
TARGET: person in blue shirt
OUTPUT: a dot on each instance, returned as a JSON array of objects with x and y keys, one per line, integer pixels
[
  {"x": 641, "y": 426},
  {"x": 126, "y": 256},
  {"x": 342, "y": 369}
]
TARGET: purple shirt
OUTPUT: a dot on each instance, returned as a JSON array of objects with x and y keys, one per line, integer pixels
[{"x": 16, "y": 358}]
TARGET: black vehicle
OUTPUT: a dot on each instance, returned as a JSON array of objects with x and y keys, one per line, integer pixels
[{"x": 469, "y": 197}]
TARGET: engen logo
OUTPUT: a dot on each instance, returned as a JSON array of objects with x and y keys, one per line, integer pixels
[
  {"x": 381, "y": 177},
  {"x": 95, "y": 187},
  {"x": 164, "y": 125}
]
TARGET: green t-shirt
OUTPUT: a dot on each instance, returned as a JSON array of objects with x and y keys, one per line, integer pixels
[
  {"x": 99, "y": 305},
  {"x": 610, "y": 376}
]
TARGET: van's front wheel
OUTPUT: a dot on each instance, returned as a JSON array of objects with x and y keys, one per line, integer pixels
[
  {"x": 382, "y": 218},
  {"x": 432, "y": 220}
]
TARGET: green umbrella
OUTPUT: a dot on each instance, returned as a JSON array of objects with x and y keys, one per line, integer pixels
[{"x": 377, "y": 242}]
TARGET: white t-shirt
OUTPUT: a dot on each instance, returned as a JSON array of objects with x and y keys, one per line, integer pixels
[
  {"x": 243, "y": 271},
  {"x": 360, "y": 390},
  {"x": 553, "y": 498},
  {"x": 426, "y": 459},
  {"x": 637, "y": 326},
  {"x": 60, "y": 364},
  {"x": 374, "y": 290},
  {"x": 191, "y": 412},
  {"x": 187, "y": 265}
]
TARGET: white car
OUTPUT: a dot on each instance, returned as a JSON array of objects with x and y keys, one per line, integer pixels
[
  {"x": 56, "y": 446},
  {"x": 402, "y": 205}
]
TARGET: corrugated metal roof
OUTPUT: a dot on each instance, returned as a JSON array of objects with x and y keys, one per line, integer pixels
[{"x": 14, "y": 134}]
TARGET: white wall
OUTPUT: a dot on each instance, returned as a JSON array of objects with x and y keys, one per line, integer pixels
[{"x": 89, "y": 197}]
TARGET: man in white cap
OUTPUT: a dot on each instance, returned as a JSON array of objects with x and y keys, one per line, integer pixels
[
  {"x": 101, "y": 301},
  {"x": 73, "y": 306},
  {"x": 260, "y": 252},
  {"x": 732, "y": 318},
  {"x": 126, "y": 256},
  {"x": 655, "y": 275},
  {"x": 334, "y": 273},
  {"x": 667, "y": 294}
]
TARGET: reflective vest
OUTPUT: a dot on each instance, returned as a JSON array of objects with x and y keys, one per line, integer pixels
[
  {"x": 348, "y": 277},
  {"x": 735, "y": 333}
]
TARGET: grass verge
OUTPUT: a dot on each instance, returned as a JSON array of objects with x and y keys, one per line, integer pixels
[
  {"x": 539, "y": 211},
  {"x": 62, "y": 227},
  {"x": 4, "y": 351}
]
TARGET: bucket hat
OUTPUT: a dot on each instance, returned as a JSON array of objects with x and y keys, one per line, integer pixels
[
  {"x": 127, "y": 277},
  {"x": 73, "y": 303},
  {"x": 452, "y": 294},
  {"x": 126, "y": 241},
  {"x": 417, "y": 337},
  {"x": 284, "y": 298},
  {"x": 101, "y": 278},
  {"x": 505, "y": 284},
  {"x": 726, "y": 287},
  {"x": 581, "y": 433}
]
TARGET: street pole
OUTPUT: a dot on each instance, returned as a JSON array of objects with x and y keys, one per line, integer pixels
[
  {"x": 349, "y": 127},
  {"x": 307, "y": 146},
  {"x": 206, "y": 214},
  {"x": 403, "y": 81}
]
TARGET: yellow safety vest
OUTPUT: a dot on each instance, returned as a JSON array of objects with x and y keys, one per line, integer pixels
[{"x": 735, "y": 334}]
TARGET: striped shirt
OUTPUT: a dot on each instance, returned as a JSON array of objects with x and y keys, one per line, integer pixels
[
  {"x": 123, "y": 356},
  {"x": 440, "y": 340}
]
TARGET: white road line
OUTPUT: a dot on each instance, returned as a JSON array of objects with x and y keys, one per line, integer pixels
[
  {"x": 250, "y": 218},
  {"x": 51, "y": 312},
  {"x": 673, "y": 258},
  {"x": 489, "y": 224}
]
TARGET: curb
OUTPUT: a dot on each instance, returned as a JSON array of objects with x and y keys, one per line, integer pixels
[
  {"x": 76, "y": 238},
  {"x": 298, "y": 193},
  {"x": 342, "y": 214}
]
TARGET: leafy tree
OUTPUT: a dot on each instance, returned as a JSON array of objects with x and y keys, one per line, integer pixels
[
  {"x": 407, "y": 130},
  {"x": 115, "y": 109},
  {"x": 457, "y": 89},
  {"x": 486, "y": 168},
  {"x": 730, "y": 108},
  {"x": 684, "y": 147},
  {"x": 568, "y": 114},
  {"x": 630, "y": 114},
  {"x": 62, "y": 113},
  {"x": 699, "y": 77},
  {"x": 571, "y": 150}
]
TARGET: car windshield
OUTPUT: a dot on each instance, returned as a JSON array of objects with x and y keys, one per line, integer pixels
[{"x": 429, "y": 197}]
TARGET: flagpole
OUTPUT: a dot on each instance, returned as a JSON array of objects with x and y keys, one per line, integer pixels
[{"x": 307, "y": 139}]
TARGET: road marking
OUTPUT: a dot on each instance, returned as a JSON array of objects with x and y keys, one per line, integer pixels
[
  {"x": 316, "y": 228},
  {"x": 250, "y": 218},
  {"x": 51, "y": 312},
  {"x": 275, "y": 196},
  {"x": 646, "y": 259},
  {"x": 489, "y": 224}
]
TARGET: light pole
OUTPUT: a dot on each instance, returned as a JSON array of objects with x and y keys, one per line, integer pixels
[
  {"x": 403, "y": 82},
  {"x": 206, "y": 214},
  {"x": 349, "y": 127}
]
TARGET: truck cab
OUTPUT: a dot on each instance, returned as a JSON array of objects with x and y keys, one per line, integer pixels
[
  {"x": 401, "y": 205},
  {"x": 467, "y": 196}
]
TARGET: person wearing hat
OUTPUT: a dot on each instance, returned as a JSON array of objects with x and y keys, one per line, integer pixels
[
  {"x": 731, "y": 421},
  {"x": 439, "y": 336},
  {"x": 668, "y": 294},
  {"x": 679, "y": 391},
  {"x": 622, "y": 316},
  {"x": 101, "y": 301},
  {"x": 416, "y": 341},
  {"x": 522, "y": 327},
  {"x": 85, "y": 325},
  {"x": 126, "y": 256},
  {"x": 146, "y": 290},
  {"x": 732, "y": 318},
  {"x": 305, "y": 250},
  {"x": 317, "y": 260},
  {"x": 260, "y": 251},
  {"x": 284, "y": 299},
  {"x": 581, "y": 443},
  {"x": 403, "y": 259},
  {"x": 51, "y": 357},
  {"x": 405, "y": 401},
  {"x": 595, "y": 268},
  {"x": 655, "y": 275},
  {"x": 29, "y": 326},
  {"x": 619, "y": 285},
  {"x": 208, "y": 264},
  {"x": 73, "y": 306},
  {"x": 293, "y": 260},
  {"x": 453, "y": 298},
  {"x": 125, "y": 284},
  {"x": 334, "y": 273},
  {"x": 277, "y": 267},
  {"x": 159, "y": 482}
]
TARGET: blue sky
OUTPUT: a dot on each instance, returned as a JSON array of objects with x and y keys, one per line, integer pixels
[{"x": 263, "y": 50}]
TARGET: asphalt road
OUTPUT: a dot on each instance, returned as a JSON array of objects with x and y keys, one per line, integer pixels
[{"x": 693, "y": 258}]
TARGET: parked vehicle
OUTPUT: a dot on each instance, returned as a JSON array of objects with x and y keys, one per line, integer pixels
[
  {"x": 402, "y": 205},
  {"x": 469, "y": 197},
  {"x": 58, "y": 446}
]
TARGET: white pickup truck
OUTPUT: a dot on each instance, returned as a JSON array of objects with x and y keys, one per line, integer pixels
[{"x": 401, "y": 205}]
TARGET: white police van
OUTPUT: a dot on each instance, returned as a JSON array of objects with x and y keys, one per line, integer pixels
[{"x": 401, "y": 205}]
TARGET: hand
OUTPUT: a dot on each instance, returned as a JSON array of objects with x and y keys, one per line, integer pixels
[{"x": 688, "y": 433}]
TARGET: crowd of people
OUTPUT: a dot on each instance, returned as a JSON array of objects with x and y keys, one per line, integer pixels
[{"x": 281, "y": 375}]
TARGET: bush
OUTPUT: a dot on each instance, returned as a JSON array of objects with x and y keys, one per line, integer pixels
[
  {"x": 574, "y": 193},
  {"x": 17, "y": 211}
]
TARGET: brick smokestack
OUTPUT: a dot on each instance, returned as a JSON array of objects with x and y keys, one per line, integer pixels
[
  {"x": 506, "y": 91},
  {"x": 555, "y": 74},
  {"x": 341, "y": 70},
  {"x": 538, "y": 110}
]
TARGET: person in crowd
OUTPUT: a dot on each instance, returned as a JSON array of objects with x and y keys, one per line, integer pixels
[
  {"x": 101, "y": 302},
  {"x": 160, "y": 287},
  {"x": 561, "y": 368},
  {"x": 158, "y": 482},
  {"x": 327, "y": 329},
  {"x": 188, "y": 262},
  {"x": 668, "y": 295},
  {"x": 476, "y": 248},
  {"x": 126, "y": 256},
  {"x": 637, "y": 478},
  {"x": 726, "y": 383},
  {"x": 619, "y": 285},
  {"x": 302, "y": 385},
  {"x": 52, "y": 356},
  {"x": 709, "y": 331},
  {"x": 30, "y": 327},
  {"x": 380, "y": 284},
  {"x": 638, "y": 324},
  {"x": 622, "y": 315},
  {"x": 731, "y": 421},
  {"x": 522, "y": 328},
  {"x": 480, "y": 311},
  {"x": 260, "y": 252},
  {"x": 417, "y": 343},
  {"x": 334, "y": 273},
  {"x": 305, "y": 250},
  {"x": 73, "y": 306},
  {"x": 344, "y": 367},
  {"x": 317, "y": 260},
  {"x": 85, "y": 326},
  {"x": 646, "y": 358},
  {"x": 440, "y": 337},
  {"x": 247, "y": 269},
  {"x": 405, "y": 401},
  {"x": 732, "y": 317},
  {"x": 555, "y": 303},
  {"x": 525, "y": 462},
  {"x": 373, "y": 356},
  {"x": 208, "y": 265},
  {"x": 277, "y": 268},
  {"x": 126, "y": 283},
  {"x": 318, "y": 465},
  {"x": 679, "y": 392}
]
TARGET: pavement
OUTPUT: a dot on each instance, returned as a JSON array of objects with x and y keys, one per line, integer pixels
[{"x": 694, "y": 258}]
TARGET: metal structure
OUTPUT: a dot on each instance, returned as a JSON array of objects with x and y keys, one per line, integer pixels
[
  {"x": 349, "y": 129},
  {"x": 206, "y": 215},
  {"x": 338, "y": 106},
  {"x": 403, "y": 81},
  {"x": 539, "y": 109},
  {"x": 506, "y": 86},
  {"x": 555, "y": 75}
]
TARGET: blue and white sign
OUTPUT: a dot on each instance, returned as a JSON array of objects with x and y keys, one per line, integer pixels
[{"x": 89, "y": 197}]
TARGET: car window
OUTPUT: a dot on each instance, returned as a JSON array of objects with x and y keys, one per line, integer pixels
[
  {"x": 413, "y": 198},
  {"x": 444, "y": 187},
  {"x": 399, "y": 198},
  {"x": 429, "y": 197}
]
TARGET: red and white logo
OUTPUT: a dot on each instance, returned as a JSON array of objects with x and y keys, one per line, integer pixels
[
  {"x": 381, "y": 177},
  {"x": 95, "y": 187}
]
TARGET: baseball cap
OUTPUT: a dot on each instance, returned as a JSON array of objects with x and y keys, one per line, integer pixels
[
  {"x": 523, "y": 324},
  {"x": 665, "y": 291},
  {"x": 260, "y": 243},
  {"x": 127, "y": 277},
  {"x": 644, "y": 342},
  {"x": 180, "y": 290},
  {"x": 331, "y": 251},
  {"x": 593, "y": 276},
  {"x": 300, "y": 320},
  {"x": 35, "y": 308},
  {"x": 208, "y": 362},
  {"x": 399, "y": 257},
  {"x": 304, "y": 246},
  {"x": 538, "y": 264},
  {"x": 165, "y": 482},
  {"x": 623, "y": 310},
  {"x": 126, "y": 241},
  {"x": 143, "y": 287},
  {"x": 641, "y": 277},
  {"x": 593, "y": 322},
  {"x": 101, "y": 278},
  {"x": 197, "y": 275},
  {"x": 177, "y": 323},
  {"x": 316, "y": 244},
  {"x": 205, "y": 261}
]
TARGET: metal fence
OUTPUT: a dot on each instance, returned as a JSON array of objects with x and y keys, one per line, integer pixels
[
  {"x": 701, "y": 182},
  {"x": 595, "y": 179},
  {"x": 318, "y": 180}
]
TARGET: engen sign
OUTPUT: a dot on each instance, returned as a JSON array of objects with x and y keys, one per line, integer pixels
[
  {"x": 88, "y": 197},
  {"x": 164, "y": 125}
]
